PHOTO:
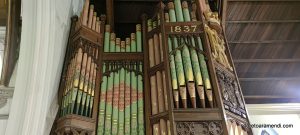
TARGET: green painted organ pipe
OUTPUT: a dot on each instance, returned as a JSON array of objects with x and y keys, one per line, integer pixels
[
  {"x": 194, "y": 57},
  {"x": 102, "y": 105}
]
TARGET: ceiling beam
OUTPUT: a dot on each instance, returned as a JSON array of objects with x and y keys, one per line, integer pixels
[
  {"x": 271, "y": 101},
  {"x": 258, "y": 99},
  {"x": 266, "y": 60},
  {"x": 268, "y": 97},
  {"x": 264, "y": 42},
  {"x": 270, "y": 79},
  {"x": 261, "y": 21},
  {"x": 263, "y": 0}
]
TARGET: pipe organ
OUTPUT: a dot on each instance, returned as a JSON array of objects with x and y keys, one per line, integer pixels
[{"x": 173, "y": 75}]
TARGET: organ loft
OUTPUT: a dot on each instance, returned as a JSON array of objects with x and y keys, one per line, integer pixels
[{"x": 168, "y": 72}]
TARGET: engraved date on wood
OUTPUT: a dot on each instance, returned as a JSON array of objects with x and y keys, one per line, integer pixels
[{"x": 183, "y": 28}]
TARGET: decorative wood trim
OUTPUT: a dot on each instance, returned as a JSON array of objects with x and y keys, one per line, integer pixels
[
  {"x": 200, "y": 128},
  {"x": 156, "y": 68},
  {"x": 77, "y": 123},
  {"x": 146, "y": 77},
  {"x": 155, "y": 118},
  {"x": 197, "y": 114},
  {"x": 232, "y": 115}
]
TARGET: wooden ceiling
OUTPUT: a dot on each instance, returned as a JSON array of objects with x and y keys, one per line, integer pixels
[{"x": 264, "y": 39}]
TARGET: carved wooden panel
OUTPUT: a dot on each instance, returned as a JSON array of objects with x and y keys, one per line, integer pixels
[
  {"x": 74, "y": 131},
  {"x": 231, "y": 95},
  {"x": 199, "y": 128},
  {"x": 74, "y": 125}
]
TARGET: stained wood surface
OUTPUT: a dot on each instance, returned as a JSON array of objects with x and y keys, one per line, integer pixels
[{"x": 264, "y": 41}]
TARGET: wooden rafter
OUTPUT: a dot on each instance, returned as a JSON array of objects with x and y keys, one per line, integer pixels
[
  {"x": 266, "y": 60},
  {"x": 269, "y": 97},
  {"x": 270, "y": 79},
  {"x": 261, "y": 21},
  {"x": 264, "y": 42},
  {"x": 263, "y": 0}
]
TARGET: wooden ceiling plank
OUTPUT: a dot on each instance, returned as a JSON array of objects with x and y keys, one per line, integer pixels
[
  {"x": 268, "y": 97},
  {"x": 264, "y": 42},
  {"x": 271, "y": 100},
  {"x": 260, "y": 31},
  {"x": 263, "y": 0},
  {"x": 270, "y": 79},
  {"x": 261, "y": 21},
  {"x": 266, "y": 60}
]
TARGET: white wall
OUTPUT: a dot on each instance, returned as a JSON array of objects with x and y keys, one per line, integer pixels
[
  {"x": 3, "y": 123},
  {"x": 276, "y": 114}
]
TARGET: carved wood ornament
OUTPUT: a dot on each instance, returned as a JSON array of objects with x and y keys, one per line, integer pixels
[
  {"x": 230, "y": 93},
  {"x": 199, "y": 128}
]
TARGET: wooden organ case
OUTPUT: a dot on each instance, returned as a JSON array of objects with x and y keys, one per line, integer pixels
[{"x": 181, "y": 77}]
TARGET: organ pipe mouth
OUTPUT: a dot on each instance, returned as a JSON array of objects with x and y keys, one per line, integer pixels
[
  {"x": 123, "y": 44},
  {"x": 138, "y": 27},
  {"x": 92, "y": 6},
  {"x": 132, "y": 36},
  {"x": 149, "y": 22},
  {"x": 107, "y": 28},
  {"x": 184, "y": 4},
  {"x": 193, "y": 15},
  {"x": 118, "y": 41},
  {"x": 167, "y": 18},
  {"x": 194, "y": 6},
  {"x": 171, "y": 5},
  {"x": 112, "y": 36},
  {"x": 127, "y": 41}
]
